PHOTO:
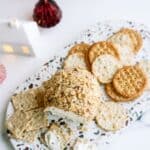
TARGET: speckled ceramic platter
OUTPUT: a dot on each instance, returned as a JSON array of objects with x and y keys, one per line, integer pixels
[{"x": 100, "y": 31}]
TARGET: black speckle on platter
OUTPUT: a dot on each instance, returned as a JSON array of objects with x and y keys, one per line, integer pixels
[
  {"x": 81, "y": 124},
  {"x": 37, "y": 146},
  {"x": 46, "y": 64},
  {"x": 81, "y": 136},
  {"x": 53, "y": 121},
  {"x": 60, "y": 119},
  {"x": 38, "y": 78},
  {"x": 80, "y": 132},
  {"x": 51, "y": 60},
  {"x": 31, "y": 86},
  {"x": 103, "y": 134},
  {"x": 97, "y": 132},
  {"x": 89, "y": 35},
  {"x": 26, "y": 148},
  {"x": 18, "y": 145},
  {"x": 68, "y": 144},
  {"x": 62, "y": 123},
  {"x": 127, "y": 122}
]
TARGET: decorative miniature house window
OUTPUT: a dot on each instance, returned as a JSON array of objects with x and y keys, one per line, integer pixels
[{"x": 18, "y": 37}]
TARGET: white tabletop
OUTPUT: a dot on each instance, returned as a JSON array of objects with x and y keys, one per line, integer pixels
[{"x": 77, "y": 16}]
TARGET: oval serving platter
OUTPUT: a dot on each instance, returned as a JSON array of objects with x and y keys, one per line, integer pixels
[{"x": 100, "y": 31}]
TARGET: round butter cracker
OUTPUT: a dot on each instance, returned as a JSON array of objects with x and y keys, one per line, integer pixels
[
  {"x": 76, "y": 60},
  {"x": 79, "y": 48},
  {"x": 112, "y": 116},
  {"x": 129, "y": 81},
  {"x": 104, "y": 67},
  {"x": 101, "y": 48},
  {"x": 111, "y": 92}
]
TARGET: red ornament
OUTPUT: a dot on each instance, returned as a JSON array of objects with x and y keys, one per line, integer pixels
[
  {"x": 2, "y": 73},
  {"x": 47, "y": 13}
]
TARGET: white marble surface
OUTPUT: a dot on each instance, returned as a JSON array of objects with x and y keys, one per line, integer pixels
[{"x": 77, "y": 16}]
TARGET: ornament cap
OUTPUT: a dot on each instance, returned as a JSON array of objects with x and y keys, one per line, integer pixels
[{"x": 46, "y": 1}]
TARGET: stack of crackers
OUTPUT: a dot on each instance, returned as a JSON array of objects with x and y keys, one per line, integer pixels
[
  {"x": 76, "y": 88},
  {"x": 113, "y": 64},
  {"x": 28, "y": 117}
]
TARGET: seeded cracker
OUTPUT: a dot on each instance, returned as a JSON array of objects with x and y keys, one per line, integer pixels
[
  {"x": 28, "y": 100},
  {"x": 17, "y": 123},
  {"x": 27, "y": 136},
  {"x": 37, "y": 119}
]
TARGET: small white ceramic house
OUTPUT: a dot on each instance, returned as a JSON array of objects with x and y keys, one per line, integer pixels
[{"x": 18, "y": 37}]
